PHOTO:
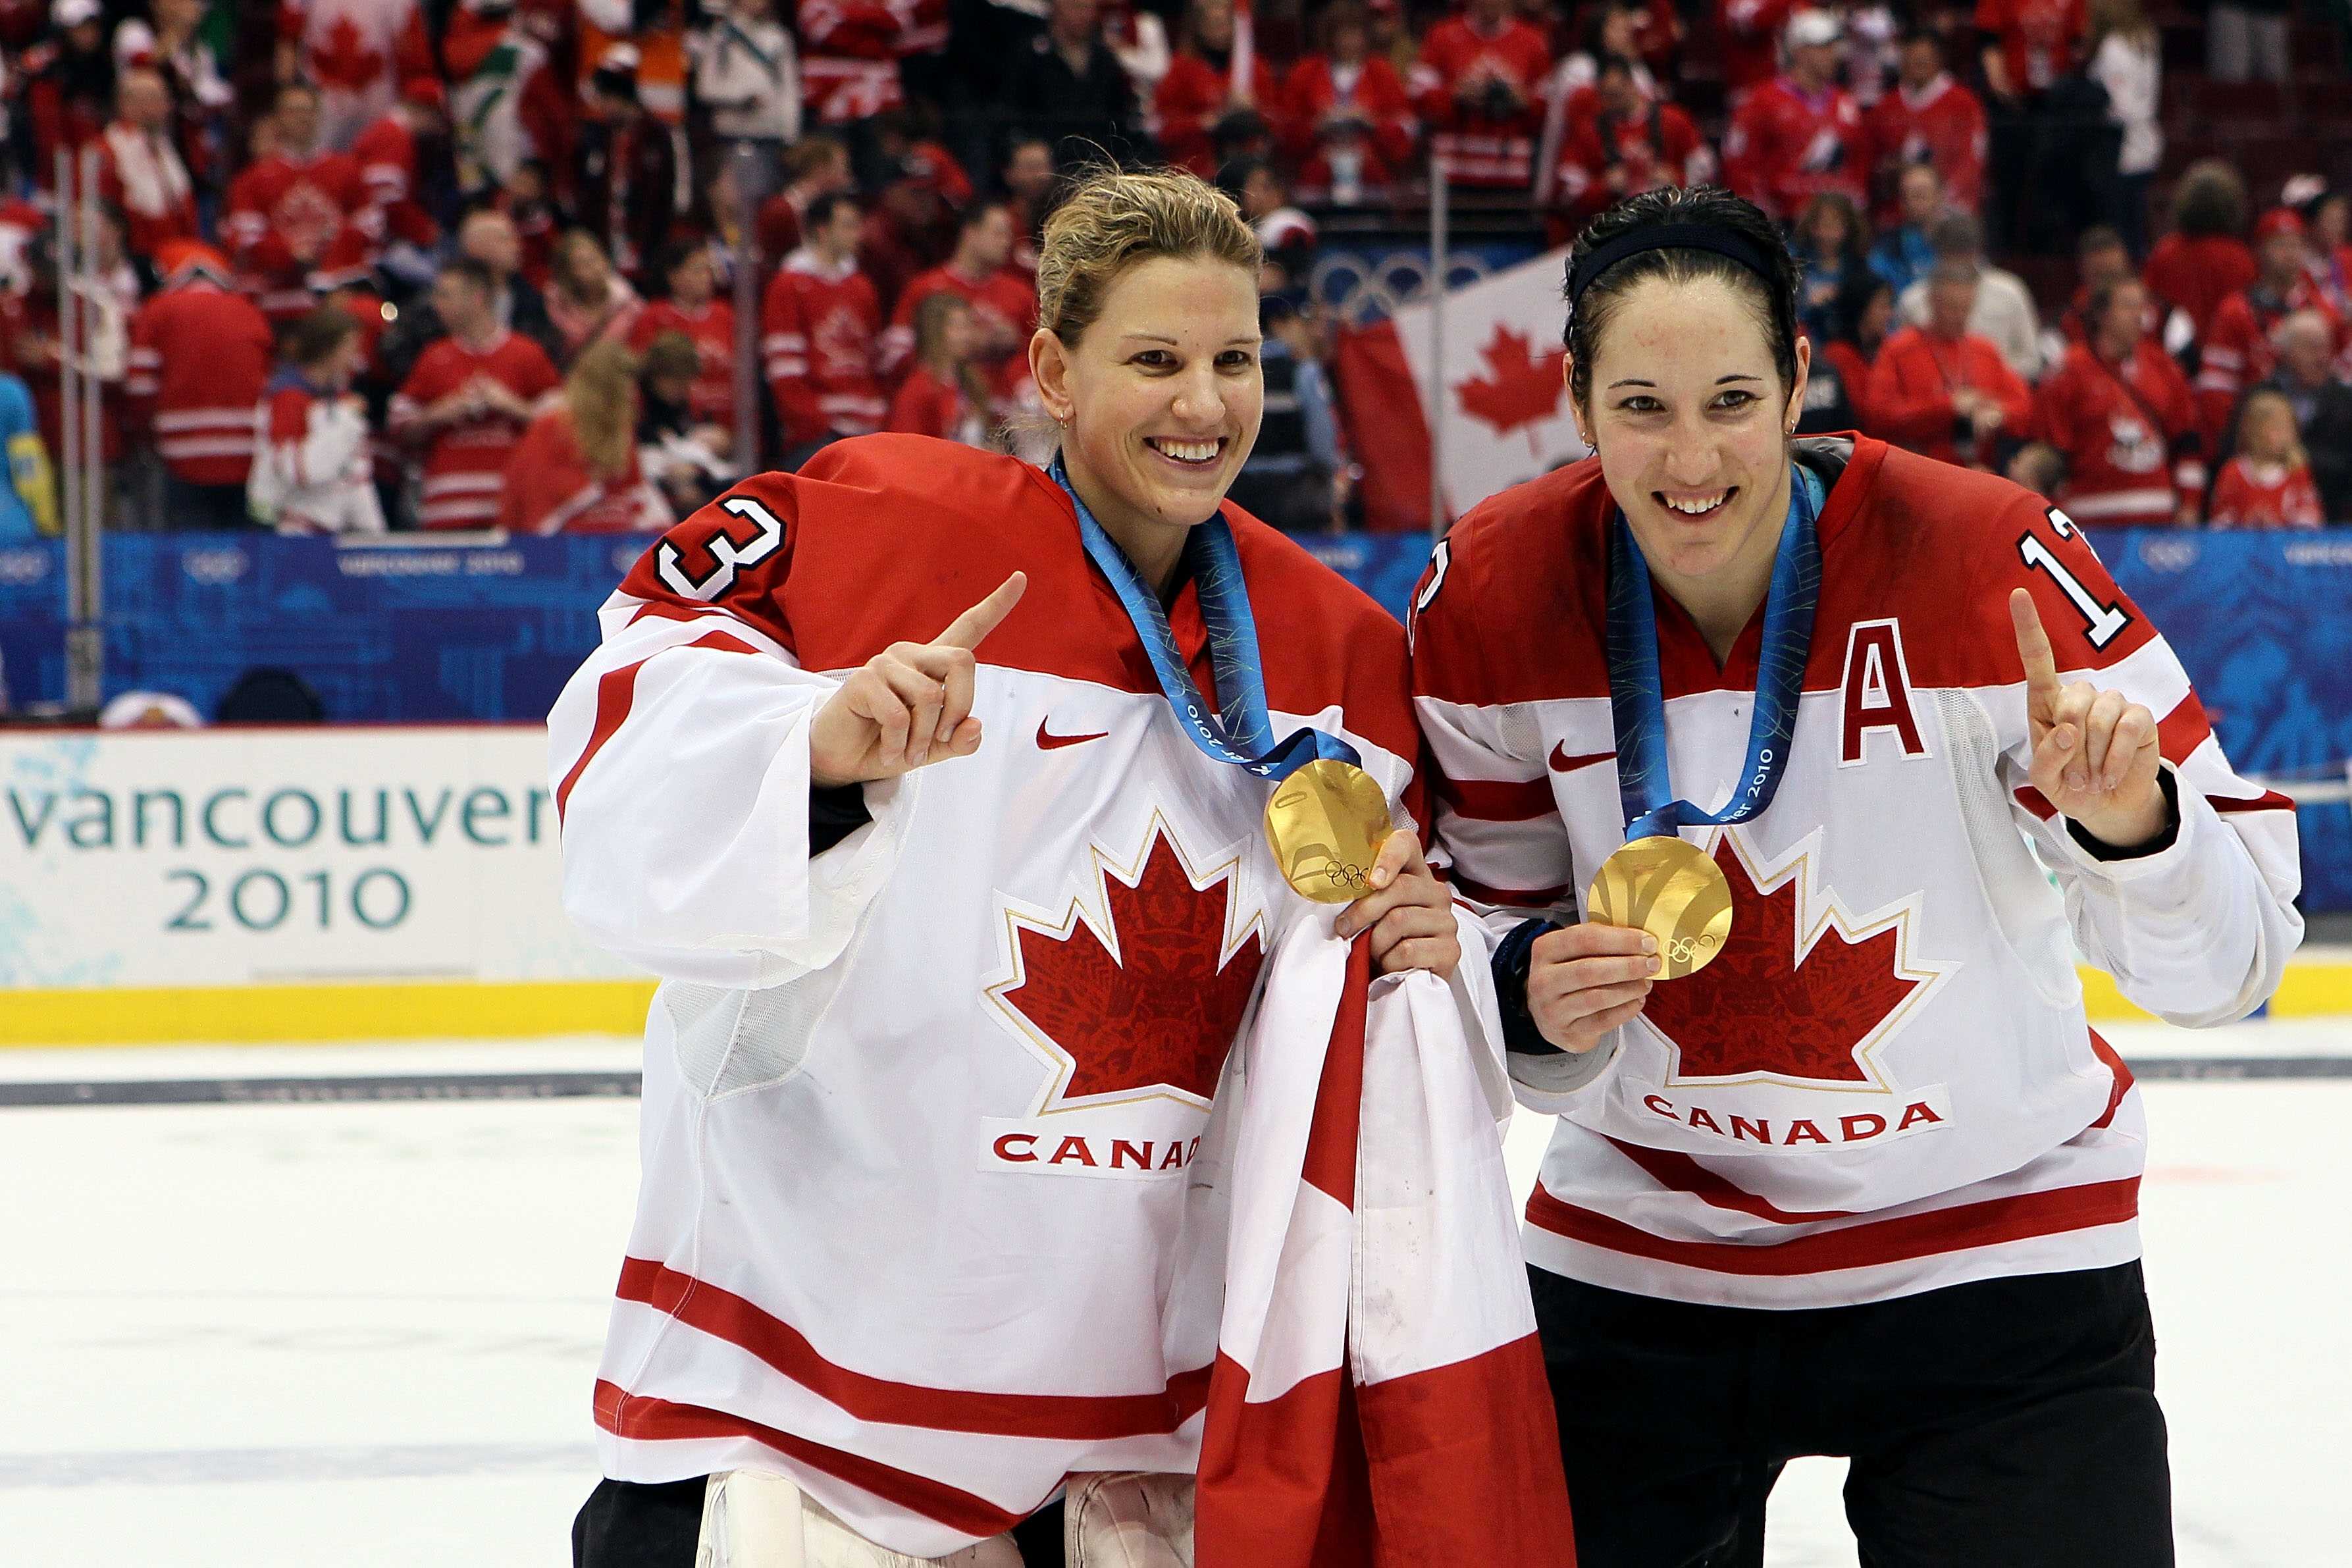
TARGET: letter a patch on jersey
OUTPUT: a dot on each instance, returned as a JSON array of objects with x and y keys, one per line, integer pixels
[{"x": 1877, "y": 692}]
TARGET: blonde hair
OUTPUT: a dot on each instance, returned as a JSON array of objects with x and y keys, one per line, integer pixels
[
  {"x": 601, "y": 396},
  {"x": 2270, "y": 397},
  {"x": 1112, "y": 221}
]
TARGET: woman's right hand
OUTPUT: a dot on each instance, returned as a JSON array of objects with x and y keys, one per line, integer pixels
[
  {"x": 910, "y": 704},
  {"x": 1586, "y": 980}
]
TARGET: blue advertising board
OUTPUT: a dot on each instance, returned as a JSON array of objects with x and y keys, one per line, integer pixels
[{"x": 418, "y": 631}]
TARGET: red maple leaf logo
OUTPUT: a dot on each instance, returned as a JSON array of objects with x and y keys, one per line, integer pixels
[
  {"x": 1164, "y": 1011},
  {"x": 1774, "y": 1002},
  {"x": 1521, "y": 387},
  {"x": 346, "y": 59}
]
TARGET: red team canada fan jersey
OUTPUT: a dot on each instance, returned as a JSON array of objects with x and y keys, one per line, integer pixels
[
  {"x": 2128, "y": 432},
  {"x": 821, "y": 332},
  {"x": 1005, "y": 304},
  {"x": 1374, "y": 90},
  {"x": 1482, "y": 148},
  {"x": 712, "y": 329},
  {"x": 2251, "y": 494},
  {"x": 1885, "y": 1083},
  {"x": 1943, "y": 125},
  {"x": 199, "y": 359},
  {"x": 1658, "y": 147},
  {"x": 465, "y": 463},
  {"x": 1089, "y": 904},
  {"x": 283, "y": 215},
  {"x": 1786, "y": 146}
]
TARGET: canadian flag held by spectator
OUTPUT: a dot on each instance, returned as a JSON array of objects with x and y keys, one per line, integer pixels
[{"x": 1506, "y": 413}]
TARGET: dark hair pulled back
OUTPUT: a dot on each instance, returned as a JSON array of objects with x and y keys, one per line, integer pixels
[{"x": 1773, "y": 298}]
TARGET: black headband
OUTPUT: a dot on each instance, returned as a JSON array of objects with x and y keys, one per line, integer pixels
[{"x": 1714, "y": 236}]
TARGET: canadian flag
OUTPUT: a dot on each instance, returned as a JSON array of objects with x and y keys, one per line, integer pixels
[
  {"x": 1378, "y": 1397},
  {"x": 1505, "y": 416}
]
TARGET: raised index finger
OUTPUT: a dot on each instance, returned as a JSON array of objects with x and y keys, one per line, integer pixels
[
  {"x": 967, "y": 629},
  {"x": 2033, "y": 647}
]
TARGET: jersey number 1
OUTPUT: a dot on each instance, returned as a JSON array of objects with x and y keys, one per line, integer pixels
[{"x": 2105, "y": 620}]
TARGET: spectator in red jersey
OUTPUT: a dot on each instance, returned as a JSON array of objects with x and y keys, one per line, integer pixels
[
  {"x": 1940, "y": 389},
  {"x": 357, "y": 51},
  {"x": 289, "y": 206},
  {"x": 140, "y": 170},
  {"x": 487, "y": 235},
  {"x": 692, "y": 307},
  {"x": 2268, "y": 484},
  {"x": 2202, "y": 261},
  {"x": 1478, "y": 83},
  {"x": 944, "y": 393},
  {"x": 1799, "y": 134},
  {"x": 1629, "y": 144},
  {"x": 199, "y": 358},
  {"x": 1216, "y": 82},
  {"x": 201, "y": 96},
  {"x": 2237, "y": 351},
  {"x": 67, "y": 90},
  {"x": 575, "y": 470},
  {"x": 1928, "y": 119},
  {"x": 589, "y": 299},
  {"x": 849, "y": 58},
  {"x": 814, "y": 165},
  {"x": 2005, "y": 311},
  {"x": 821, "y": 332},
  {"x": 1348, "y": 117},
  {"x": 312, "y": 471},
  {"x": 1028, "y": 178},
  {"x": 2121, "y": 413},
  {"x": 385, "y": 152},
  {"x": 978, "y": 272},
  {"x": 1751, "y": 31},
  {"x": 466, "y": 403}
]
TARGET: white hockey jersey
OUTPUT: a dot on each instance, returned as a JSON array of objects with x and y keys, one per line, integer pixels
[
  {"x": 928, "y": 1216},
  {"x": 1885, "y": 1083}
]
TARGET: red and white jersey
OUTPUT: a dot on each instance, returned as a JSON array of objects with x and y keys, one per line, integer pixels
[
  {"x": 1005, "y": 304},
  {"x": 2041, "y": 40},
  {"x": 1481, "y": 147},
  {"x": 1194, "y": 95},
  {"x": 315, "y": 469},
  {"x": 926, "y": 1248},
  {"x": 1660, "y": 146},
  {"x": 2237, "y": 351},
  {"x": 551, "y": 488},
  {"x": 357, "y": 52},
  {"x": 145, "y": 177},
  {"x": 820, "y": 332},
  {"x": 927, "y": 403},
  {"x": 284, "y": 216},
  {"x": 2254, "y": 494},
  {"x": 1751, "y": 31},
  {"x": 1373, "y": 91},
  {"x": 1786, "y": 146},
  {"x": 199, "y": 359},
  {"x": 1942, "y": 124},
  {"x": 850, "y": 52},
  {"x": 386, "y": 154},
  {"x": 1886, "y": 1082},
  {"x": 712, "y": 328},
  {"x": 2129, "y": 435},
  {"x": 465, "y": 461}
]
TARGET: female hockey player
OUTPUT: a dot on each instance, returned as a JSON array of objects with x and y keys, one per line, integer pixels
[
  {"x": 955, "y": 932},
  {"x": 1753, "y": 752}
]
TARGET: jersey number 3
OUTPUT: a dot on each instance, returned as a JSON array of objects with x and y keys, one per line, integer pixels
[
  {"x": 730, "y": 554},
  {"x": 2105, "y": 621}
]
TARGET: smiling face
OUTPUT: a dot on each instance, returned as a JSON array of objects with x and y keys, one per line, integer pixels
[
  {"x": 1690, "y": 422},
  {"x": 1160, "y": 396}
]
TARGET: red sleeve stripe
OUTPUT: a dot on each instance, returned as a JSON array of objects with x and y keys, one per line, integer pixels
[
  {"x": 2269, "y": 800},
  {"x": 1497, "y": 800},
  {"x": 616, "y": 690},
  {"x": 2116, "y": 1065},
  {"x": 1679, "y": 1173},
  {"x": 1066, "y": 1418},
  {"x": 1522, "y": 897},
  {"x": 642, "y": 1419},
  {"x": 2182, "y": 731},
  {"x": 2034, "y": 800},
  {"x": 1866, "y": 1245}
]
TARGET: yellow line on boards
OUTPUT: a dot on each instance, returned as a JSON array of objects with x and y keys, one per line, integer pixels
[
  {"x": 286, "y": 1014},
  {"x": 420, "y": 1010}
]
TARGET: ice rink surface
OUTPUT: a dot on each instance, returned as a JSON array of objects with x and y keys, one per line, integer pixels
[{"x": 282, "y": 1335}]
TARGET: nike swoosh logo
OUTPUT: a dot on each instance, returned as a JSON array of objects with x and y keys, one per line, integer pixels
[
  {"x": 1561, "y": 762},
  {"x": 1046, "y": 742}
]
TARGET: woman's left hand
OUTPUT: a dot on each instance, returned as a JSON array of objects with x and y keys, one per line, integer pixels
[{"x": 1408, "y": 912}]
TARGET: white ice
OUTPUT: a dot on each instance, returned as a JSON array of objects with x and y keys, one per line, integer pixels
[{"x": 281, "y": 1336}]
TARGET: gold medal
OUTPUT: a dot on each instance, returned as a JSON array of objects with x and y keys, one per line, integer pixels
[
  {"x": 1674, "y": 892},
  {"x": 1325, "y": 824}
]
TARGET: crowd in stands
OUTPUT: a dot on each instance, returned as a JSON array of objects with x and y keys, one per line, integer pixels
[{"x": 362, "y": 266}]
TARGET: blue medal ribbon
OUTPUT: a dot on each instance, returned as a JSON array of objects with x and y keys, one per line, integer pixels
[
  {"x": 1637, "y": 708},
  {"x": 1242, "y": 735}
]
